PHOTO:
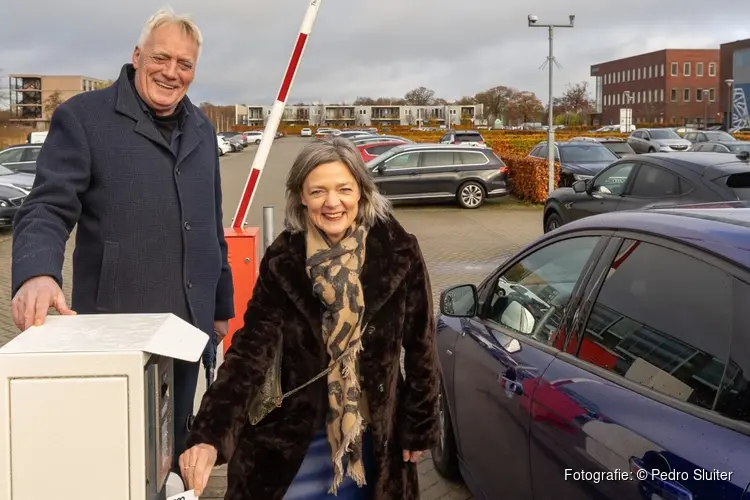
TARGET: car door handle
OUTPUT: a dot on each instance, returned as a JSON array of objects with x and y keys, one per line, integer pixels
[
  {"x": 663, "y": 487},
  {"x": 510, "y": 385}
]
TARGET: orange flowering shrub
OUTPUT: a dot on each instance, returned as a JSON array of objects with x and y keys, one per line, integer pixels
[
  {"x": 12, "y": 135},
  {"x": 529, "y": 177}
]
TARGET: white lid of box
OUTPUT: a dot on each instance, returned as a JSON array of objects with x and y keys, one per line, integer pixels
[{"x": 160, "y": 334}]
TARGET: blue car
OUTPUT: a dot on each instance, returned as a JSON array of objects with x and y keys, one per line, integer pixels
[{"x": 610, "y": 359}]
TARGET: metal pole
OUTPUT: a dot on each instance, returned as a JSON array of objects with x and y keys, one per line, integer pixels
[
  {"x": 730, "y": 101},
  {"x": 550, "y": 118},
  {"x": 268, "y": 233}
]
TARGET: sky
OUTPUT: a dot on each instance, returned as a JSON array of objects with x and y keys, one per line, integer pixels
[{"x": 380, "y": 48}]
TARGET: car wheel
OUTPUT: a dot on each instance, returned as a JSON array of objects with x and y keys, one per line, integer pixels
[
  {"x": 471, "y": 195},
  {"x": 552, "y": 222},
  {"x": 651, "y": 150},
  {"x": 444, "y": 454},
  {"x": 257, "y": 141}
]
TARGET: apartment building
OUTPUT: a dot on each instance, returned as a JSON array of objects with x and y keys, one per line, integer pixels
[
  {"x": 734, "y": 73},
  {"x": 30, "y": 95},
  {"x": 340, "y": 115},
  {"x": 666, "y": 86}
]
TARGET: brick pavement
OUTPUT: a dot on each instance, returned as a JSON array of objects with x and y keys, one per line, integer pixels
[{"x": 460, "y": 246}]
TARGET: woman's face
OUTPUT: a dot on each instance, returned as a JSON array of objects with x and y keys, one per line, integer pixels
[{"x": 331, "y": 195}]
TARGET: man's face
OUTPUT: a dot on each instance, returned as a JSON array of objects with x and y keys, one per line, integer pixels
[{"x": 165, "y": 68}]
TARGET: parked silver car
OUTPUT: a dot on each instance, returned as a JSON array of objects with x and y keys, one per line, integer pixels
[{"x": 653, "y": 140}]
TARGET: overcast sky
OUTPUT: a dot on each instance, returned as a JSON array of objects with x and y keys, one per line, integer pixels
[{"x": 365, "y": 48}]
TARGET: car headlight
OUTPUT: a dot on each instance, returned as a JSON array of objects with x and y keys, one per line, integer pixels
[{"x": 4, "y": 204}]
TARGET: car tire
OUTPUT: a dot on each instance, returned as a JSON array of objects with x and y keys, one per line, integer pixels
[
  {"x": 445, "y": 453},
  {"x": 651, "y": 150},
  {"x": 552, "y": 222},
  {"x": 470, "y": 195},
  {"x": 257, "y": 141}
]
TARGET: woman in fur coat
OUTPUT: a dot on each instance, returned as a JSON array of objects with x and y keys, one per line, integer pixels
[{"x": 339, "y": 294}]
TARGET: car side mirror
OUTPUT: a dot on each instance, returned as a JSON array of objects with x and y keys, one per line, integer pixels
[
  {"x": 579, "y": 186},
  {"x": 459, "y": 301},
  {"x": 381, "y": 168}
]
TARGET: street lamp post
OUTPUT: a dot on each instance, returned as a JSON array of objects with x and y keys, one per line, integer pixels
[
  {"x": 705, "y": 111},
  {"x": 534, "y": 23},
  {"x": 730, "y": 100}
]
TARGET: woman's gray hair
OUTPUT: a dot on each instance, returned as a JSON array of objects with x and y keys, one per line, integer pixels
[{"x": 373, "y": 206}]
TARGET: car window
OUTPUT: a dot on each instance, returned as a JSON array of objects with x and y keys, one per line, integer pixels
[
  {"x": 700, "y": 147},
  {"x": 619, "y": 148},
  {"x": 663, "y": 133},
  {"x": 734, "y": 397},
  {"x": 437, "y": 158},
  {"x": 655, "y": 182},
  {"x": 530, "y": 298},
  {"x": 738, "y": 148},
  {"x": 379, "y": 150},
  {"x": 662, "y": 319},
  {"x": 613, "y": 179},
  {"x": 471, "y": 158},
  {"x": 542, "y": 152},
  {"x": 11, "y": 155},
  {"x": 469, "y": 137},
  {"x": 31, "y": 154},
  {"x": 406, "y": 160}
]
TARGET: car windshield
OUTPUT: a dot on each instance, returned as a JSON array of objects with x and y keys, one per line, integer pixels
[
  {"x": 738, "y": 148},
  {"x": 621, "y": 148},
  {"x": 719, "y": 136},
  {"x": 663, "y": 133},
  {"x": 586, "y": 154}
]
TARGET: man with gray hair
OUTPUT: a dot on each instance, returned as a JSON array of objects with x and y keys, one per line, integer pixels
[{"x": 135, "y": 167}]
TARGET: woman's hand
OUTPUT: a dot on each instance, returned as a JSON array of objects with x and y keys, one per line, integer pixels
[
  {"x": 196, "y": 465},
  {"x": 413, "y": 456}
]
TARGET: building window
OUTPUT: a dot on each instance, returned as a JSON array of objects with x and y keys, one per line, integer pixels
[
  {"x": 699, "y": 95},
  {"x": 650, "y": 72},
  {"x": 712, "y": 95},
  {"x": 711, "y": 69},
  {"x": 686, "y": 69},
  {"x": 661, "y": 93},
  {"x": 643, "y": 96},
  {"x": 686, "y": 95},
  {"x": 699, "y": 69},
  {"x": 673, "y": 95},
  {"x": 639, "y": 73},
  {"x": 662, "y": 69},
  {"x": 674, "y": 69}
]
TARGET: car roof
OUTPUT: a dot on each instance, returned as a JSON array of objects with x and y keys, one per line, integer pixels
[
  {"x": 427, "y": 145},
  {"x": 24, "y": 145},
  {"x": 719, "y": 228},
  {"x": 383, "y": 143},
  {"x": 708, "y": 164},
  {"x": 725, "y": 143}
]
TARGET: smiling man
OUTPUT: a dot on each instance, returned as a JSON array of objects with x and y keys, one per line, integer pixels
[{"x": 135, "y": 166}]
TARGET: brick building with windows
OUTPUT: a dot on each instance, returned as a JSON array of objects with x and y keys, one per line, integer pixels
[{"x": 678, "y": 86}]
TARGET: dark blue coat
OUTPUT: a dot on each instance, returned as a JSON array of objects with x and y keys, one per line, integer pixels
[{"x": 150, "y": 234}]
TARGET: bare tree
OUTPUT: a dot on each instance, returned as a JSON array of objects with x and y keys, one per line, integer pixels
[
  {"x": 4, "y": 90},
  {"x": 364, "y": 101},
  {"x": 51, "y": 103},
  {"x": 421, "y": 96}
]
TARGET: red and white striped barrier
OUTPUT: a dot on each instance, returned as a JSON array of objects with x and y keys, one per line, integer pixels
[{"x": 269, "y": 133}]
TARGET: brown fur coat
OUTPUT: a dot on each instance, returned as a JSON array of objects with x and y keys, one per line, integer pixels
[{"x": 264, "y": 459}]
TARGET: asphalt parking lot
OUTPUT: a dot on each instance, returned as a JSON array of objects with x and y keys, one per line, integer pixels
[{"x": 460, "y": 246}]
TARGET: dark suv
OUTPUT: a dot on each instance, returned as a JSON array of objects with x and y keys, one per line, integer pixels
[
  {"x": 468, "y": 174},
  {"x": 580, "y": 160}
]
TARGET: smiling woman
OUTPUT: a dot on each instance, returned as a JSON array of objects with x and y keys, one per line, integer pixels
[{"x": 165, "y": 60}]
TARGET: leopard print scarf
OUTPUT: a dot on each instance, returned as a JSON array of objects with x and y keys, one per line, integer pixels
[{"x": 335, "y": 272}]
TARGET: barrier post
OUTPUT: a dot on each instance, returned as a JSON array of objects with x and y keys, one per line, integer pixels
[
  {"x": 243, "y": 241},
  {"x": 268, "y": 233}
]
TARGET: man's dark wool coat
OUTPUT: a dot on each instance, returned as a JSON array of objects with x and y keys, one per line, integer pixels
[
  {"x": 150, "y": 235},
  {"x": 264, "y": 459}
]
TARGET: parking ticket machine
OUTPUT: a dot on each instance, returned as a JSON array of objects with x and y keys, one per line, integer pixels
[{"x": 86, "y": 406}]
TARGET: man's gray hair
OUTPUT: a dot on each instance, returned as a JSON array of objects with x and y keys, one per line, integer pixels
[
  {"x": 167, "y": 16},
  {"x": 373, "y": 206}
]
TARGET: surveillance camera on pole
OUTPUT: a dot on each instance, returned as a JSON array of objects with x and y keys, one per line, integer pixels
[{"x": 534, "y": 23}]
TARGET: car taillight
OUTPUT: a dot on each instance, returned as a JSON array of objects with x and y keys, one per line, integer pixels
[
  {"x": 504, "y": 169},
  {"x": 456, "y": 142}
]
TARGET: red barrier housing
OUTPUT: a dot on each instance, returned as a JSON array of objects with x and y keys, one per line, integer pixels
[{"x": 243, "y": 261}]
